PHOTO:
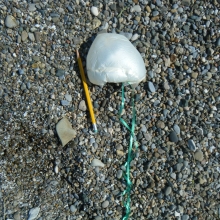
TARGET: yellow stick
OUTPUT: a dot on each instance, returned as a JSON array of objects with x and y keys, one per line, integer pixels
[{"x": 92, "y": 115}]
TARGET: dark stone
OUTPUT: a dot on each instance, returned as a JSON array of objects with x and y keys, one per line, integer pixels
[{"x": 173, "y": 137}]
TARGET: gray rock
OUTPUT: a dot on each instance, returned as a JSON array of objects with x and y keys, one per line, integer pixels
[
  {"x": 94, "y": 11},
  {"x": 31, "y": 7},
  {"x": 134, "y": 37},
  {"x": 173, "y": 175},
  {"x": 137, "y": 8},
  {"x": 97, "y": 163},
  {"x": 17, "y": 216},
  {"x": 176, "y": 129},
  {"x": 82, "y": 106},
  {"x": 186, "y": 2},
  {"x": 185, "y": 217},
  {"x": 144, "y": 148},
  {"x": 147, "y": 136},
  {"x": 24, "y": 36},
  {"x": 21, "y": 71},
  {"x": 168, "y": 191},
  {"x": 96, "y": 23},
  {"x": 65, "y": 131},
  {"x": 73, "y": 208},
  {"x": 186, "y": 28},
  {"x": 60, "y": 72},
  {"x": 105, "y": 204},
  {"x": 119, "y": 174},
  {"x": 155, "y": 13},
  {"x": 98, "y": 218},
  {"x": 166, "y": 85},
  {"x": 217, "y": 43},
  {"x": 10, "y": 21},
  {"x": 173, "y": 137},
  {"x": 151, "y": 87},
  {"x": 64, "y": 102},
  {"x": 31, "y": 36},
  {"x": 198, "y": 155},
  {"x": 191, "y": 145},
  {"x": 33, "y": 213},
  {"x": 179, "y": 167},
  {"x": 68, "y": 97}
]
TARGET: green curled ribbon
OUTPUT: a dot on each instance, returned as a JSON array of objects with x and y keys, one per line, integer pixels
[{"x": 131, "y": 155}]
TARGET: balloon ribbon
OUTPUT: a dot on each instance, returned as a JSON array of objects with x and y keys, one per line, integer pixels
[{"x": 131, "y": 154}]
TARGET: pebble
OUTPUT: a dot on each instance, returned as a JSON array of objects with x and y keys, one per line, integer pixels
[
  {"x": 119, "y": 174},
  {"x": 82, "y": 106},
  {"x": 64, "y": 102},
  {"x": 185, "y": 217},
  {"x": 176, "y": 128},
  {"x": 198, "y": 155},
  {"x": 168, "y": 191},
  {"x": 134, "y": 37},
  {"x": 68, "y": 97},
  {"x": 10, "y": 21},
  {"x": 17, "y": 216},
  {"x": 191, "y": 145},
  {"x": 155, "y": 13},
  {"x": 173, "y": 137},
  {"x": 31, "y": 7},
  {"x": 97, "y": 163},
  {"x": 137, "y": 8},
  {"x": 151, "y": 87},
  {"x": 65, "y": 131},
  {"x": 105, "y": 204},
  {"x": 33, "y": 213},
  {"x": 94, "y": 11},
  {"x": 73, "y": 208},
  {"x": 186, "y": 2},
  {"x": 31, "y": 36},
  {"x": 24, "y": 36},
  {"x": 60, "y": 72}
]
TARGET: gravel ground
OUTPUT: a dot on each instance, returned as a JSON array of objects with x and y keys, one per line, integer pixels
[{"x": 176, "y": 171}]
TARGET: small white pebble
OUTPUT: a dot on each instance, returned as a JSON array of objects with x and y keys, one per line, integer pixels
[{"x": 94, "y": 11}]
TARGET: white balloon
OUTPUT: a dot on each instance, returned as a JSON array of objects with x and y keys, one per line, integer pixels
[{"x": 112, "y": 58}]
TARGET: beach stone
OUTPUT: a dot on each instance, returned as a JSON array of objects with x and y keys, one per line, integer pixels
[
  {"x": 173, "y": 137},
  {"x": 31, "y": 7},
  {"x": 97, "y": 163},
  {"x": 176, "y": 128},
  {"x": 151, "y": 87},
  {"x": 105, "y": 204},
  {"x": 82, "y": 105},
  {"x": 198, "y": 155},
  {"x": 65, "y": 131},
  {"x": 185, "y": 217},
  {"x": 68, "y": 97},
  {"x": 168, "y": 191},
  {"x": 31, "y": 36},
  {"x": 73, "y": 208},
  {"x": 60, "y": 72},
  {"x": 194, "y": 75},
  {"x": 119, "y": 174},
  {"x": 94, "y": 11},
  {"x": 17, "y": 216},
  {"x": 33, "y": 213},
  {"x": 134, "y": 37},
  {"x": 137, "y": 8},
  {"x": 96, "y": 23},
  {"x": 191, "y": 145},
  {"x": 10, "y": 21},
  {"x": 64, "y": 102},
  {"x": 24, "y": 35},
  {"x": 186, "y": 2}
]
